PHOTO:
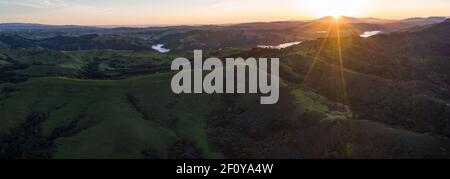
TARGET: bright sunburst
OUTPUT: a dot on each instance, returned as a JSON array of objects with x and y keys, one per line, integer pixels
[
  {"x": 335, "y": 8},
  {"x": 336, "y": 17}
]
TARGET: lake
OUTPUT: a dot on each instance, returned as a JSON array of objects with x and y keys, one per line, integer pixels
[
  {"x": 160, "y": 48},
  {"x": 280, "y": 46},
  {"x": 370, "y": 33}
]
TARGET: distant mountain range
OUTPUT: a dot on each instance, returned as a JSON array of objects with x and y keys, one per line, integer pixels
[
  {"x": 31, "y": 26},
  {"x": 85, "y": 42},
  {"x": 246, "y": 35},
  {"x": 424, "y": 21},
  {"x": 254, "y": 25}
]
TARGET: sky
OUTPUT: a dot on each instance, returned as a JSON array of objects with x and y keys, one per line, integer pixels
[{"x": 176, "y": 12}]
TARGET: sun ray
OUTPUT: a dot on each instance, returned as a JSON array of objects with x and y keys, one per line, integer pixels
[
  {"x": 316, "y": 56},
  {"x": 341, "y": 66},
  {"x": 339, "y": 79}
]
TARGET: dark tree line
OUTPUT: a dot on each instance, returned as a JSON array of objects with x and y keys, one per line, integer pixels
[
  {"x": 26, "y": 141},
  {"x": 7, "y": 74}
]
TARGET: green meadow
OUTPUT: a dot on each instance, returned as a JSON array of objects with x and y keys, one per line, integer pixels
[{"x": 113, "y": 119}]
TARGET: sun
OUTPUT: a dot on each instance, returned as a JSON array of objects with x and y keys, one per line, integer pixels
[{"x": 335, "y": 8}]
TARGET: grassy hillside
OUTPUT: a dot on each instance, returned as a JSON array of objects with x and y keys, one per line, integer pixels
[
  {"x": 108, "y": 119},
  {"x": 141, "y": 118}
]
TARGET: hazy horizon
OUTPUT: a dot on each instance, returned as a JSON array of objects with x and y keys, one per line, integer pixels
[
  {"x": 207, "y": 12},
  {"x": 199, "y": 24}
]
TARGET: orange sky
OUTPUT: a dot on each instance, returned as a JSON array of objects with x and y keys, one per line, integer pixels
[{"x": 148, "y": 12}]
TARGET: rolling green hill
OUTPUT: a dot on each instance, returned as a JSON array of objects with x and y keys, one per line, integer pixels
[
  {"x": 104, "y": 119},
  {"x": 141, "y": 118},
  {"x": 386, "y": 98}
]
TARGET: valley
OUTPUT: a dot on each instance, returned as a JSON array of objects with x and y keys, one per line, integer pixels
[{"x": 87, "y": 92}]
